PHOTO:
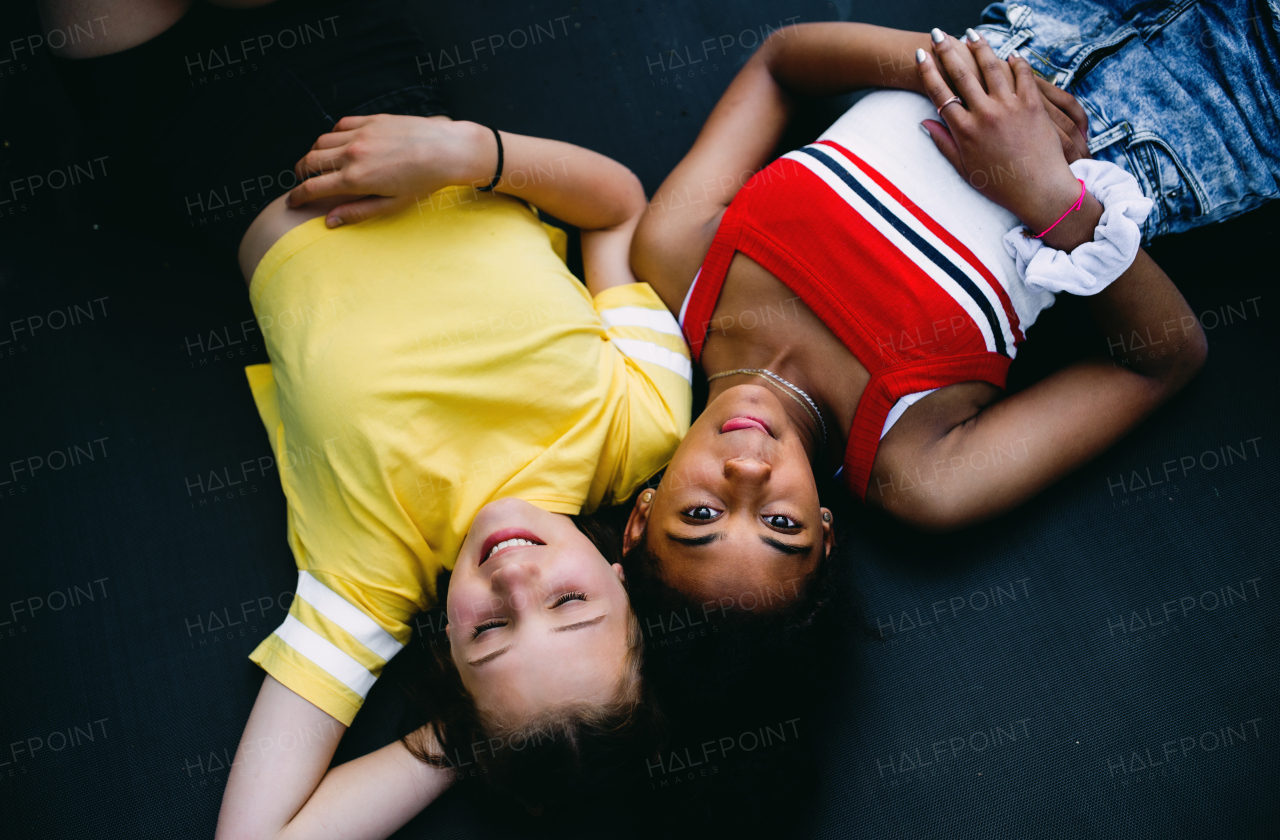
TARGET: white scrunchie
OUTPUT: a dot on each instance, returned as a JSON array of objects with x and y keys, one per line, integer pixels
[{"x": 1093, "y": 266}]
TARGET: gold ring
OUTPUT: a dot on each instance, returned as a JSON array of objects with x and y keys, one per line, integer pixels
[{"x": 948, "y": 102}]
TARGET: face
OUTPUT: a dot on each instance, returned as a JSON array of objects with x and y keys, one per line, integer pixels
[
  {"x": 737, "y": 510},
  {"x": 537, "y": 617}
]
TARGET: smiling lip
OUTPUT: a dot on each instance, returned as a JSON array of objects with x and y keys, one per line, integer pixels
[
  {"x": 744, "y": 422},
  {"x": 504, "y": 535}
]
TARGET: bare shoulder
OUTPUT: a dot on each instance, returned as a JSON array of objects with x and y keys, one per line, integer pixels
[{"x": 668, "y": 249}]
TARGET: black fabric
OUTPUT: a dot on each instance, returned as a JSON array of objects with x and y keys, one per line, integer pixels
[
  {"x": 212, "y": 115},
  {"x": 1100, "y": 664}
]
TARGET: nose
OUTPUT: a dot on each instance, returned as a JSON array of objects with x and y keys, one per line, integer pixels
[
  {"x": 515, "y": 576},
  {"x": 749, "y": 470}
]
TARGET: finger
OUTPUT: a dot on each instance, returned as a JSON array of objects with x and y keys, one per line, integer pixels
[
  {"x": 1068, "y": 104},
  {"x": 321, "y": 186},
  {"x": 365, "y": 208},
  {"x": 935, "y": 87},
  {"x": 318, "y": 162},
  {"x": 945, "y": 142},
  {"x": 965, "y": 81},
  {"x": 1059, "y": 119},
  {"x": 995, "y": 73},
  {"x": 1068, "y": 131},
  {"x": 1070, "y": 150},
  {"x": 348, "y": 123},
  {"x": 329, "y": 141},
  {"x": 1024, "y": 80}
]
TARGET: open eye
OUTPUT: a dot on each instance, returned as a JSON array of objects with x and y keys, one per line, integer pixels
[
  {"x": 569, "y": 596},
  {"x": 701, "y": 513},
  {"x": 488, "y": 625},
  {"x": 782, "y": 523}
]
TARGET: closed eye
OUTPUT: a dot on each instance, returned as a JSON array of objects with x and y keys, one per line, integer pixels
[
  {"x": 488, "y": 625},
  {"x": 569, "y": 596}
]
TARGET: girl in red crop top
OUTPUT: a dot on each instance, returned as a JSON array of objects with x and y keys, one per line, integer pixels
[{"x": 855, "y": 313}]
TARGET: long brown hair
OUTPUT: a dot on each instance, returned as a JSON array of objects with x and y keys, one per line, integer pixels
[{"x": 562, "y": 755}]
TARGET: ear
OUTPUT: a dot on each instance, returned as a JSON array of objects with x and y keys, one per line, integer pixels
[
  {"x": 617, "y": 570},
  {"x": 638, "y": 520},
  {"x": 828, "y": 536}
]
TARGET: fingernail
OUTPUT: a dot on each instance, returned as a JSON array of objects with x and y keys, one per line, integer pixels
[
  {"x": 936, "y": 35},
  {"x": 926, "y": 131},
  {"x": 973, "y": 35},
  {"x": 333, "y": 221},
  {"x": 921, "y": 55}
]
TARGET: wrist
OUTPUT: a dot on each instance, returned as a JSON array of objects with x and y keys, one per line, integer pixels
[
  {"x": 479, "y": 159},
  {"x": 1059, "y": 231}
]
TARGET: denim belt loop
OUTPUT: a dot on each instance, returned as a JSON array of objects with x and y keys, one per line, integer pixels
[{"x": 1114, "y": 134}]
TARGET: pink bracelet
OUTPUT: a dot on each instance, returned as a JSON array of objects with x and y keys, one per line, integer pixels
[{"x": 1079, "y": 203}]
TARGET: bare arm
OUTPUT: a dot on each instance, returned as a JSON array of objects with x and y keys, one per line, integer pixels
[
  {"x": 744, "y": 128},
  {"x": 812, "y": 59},
  {"x": 279, "y": 789},
  {"x": 939, "y": 474},
  {"x": 395, "y": 160}
]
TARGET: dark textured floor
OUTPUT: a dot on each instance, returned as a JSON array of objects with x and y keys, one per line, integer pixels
[{"x": 1103, "y": 663}]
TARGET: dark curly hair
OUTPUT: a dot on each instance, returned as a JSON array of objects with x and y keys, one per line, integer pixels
[
  {"x": 559, "y": 758},
  {"x": 740, "y": 682}
]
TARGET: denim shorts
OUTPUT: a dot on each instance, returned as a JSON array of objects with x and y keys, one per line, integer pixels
[
  {"x": 1183, "y": 94},
  {"x": 210, "y": 117}
]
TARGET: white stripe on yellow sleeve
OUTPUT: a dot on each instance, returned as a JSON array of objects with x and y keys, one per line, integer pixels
[
  {"x": 638, "y": 316},
  {"x": 647, "y": 351},
  {"x": 347, "y": 616},
  {"x": 326, "y": 655}
]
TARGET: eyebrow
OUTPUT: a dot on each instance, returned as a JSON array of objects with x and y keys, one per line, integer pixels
[
  {"x": 695, "y": 541},
  {"x": 578, "y": 625},
  {"x": 488, "y": 657},
  {"x": 778, "y": 545},
  {"x": 787, "y": 548}
]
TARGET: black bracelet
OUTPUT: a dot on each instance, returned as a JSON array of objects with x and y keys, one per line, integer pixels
[{"x": 497, "y": 176}]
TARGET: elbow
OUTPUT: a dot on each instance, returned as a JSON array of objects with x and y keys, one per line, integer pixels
[
  {"x": 626, "y": 202},
  {"x": 777, "y": 40},
  {"x": 1189, "y": 361},
  {"x": 633, "y": 198}
]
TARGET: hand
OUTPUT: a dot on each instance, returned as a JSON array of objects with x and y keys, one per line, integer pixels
[
  {"x": 391, "y": 160},
  {"x": 999, "y": 138},
  {"x": 1068, "y": 117}
]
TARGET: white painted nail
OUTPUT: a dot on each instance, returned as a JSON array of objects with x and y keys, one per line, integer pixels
[
  {"x": 926, "y": 131},
  {"x": 973, "y": 35},
  {"x": 937, "y": 36},
  {"x": 921, "y": 55}
]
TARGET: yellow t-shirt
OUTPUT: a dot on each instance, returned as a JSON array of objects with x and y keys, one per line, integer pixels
[{"x": 422, "y": 365}]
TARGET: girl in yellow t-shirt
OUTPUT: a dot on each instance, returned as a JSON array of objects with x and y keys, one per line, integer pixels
[{"x": 443, "y": 396}]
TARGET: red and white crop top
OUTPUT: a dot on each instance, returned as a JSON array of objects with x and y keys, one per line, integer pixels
[{"x": 903, "y": 261}]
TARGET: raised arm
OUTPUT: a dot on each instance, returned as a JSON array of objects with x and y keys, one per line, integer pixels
[
  {"x": 810, "y": 59},
  {"x": 395, "y": 160},
  {"x": 941, "y": 475},
  {"x": 740, "y": 135},
  {"x": 279, "y": 789}
]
